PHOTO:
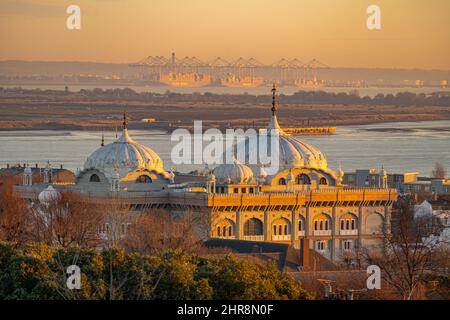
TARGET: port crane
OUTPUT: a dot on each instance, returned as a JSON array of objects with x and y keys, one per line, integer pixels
[{"x": 283, "y": 71}]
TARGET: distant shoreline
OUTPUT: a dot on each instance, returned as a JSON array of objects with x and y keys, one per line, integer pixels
[
  {"x": 58, "y": 128},
  {"x": 98, "y": 109}
]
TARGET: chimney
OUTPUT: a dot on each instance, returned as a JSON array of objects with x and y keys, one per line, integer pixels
[
  {"x": 62, "y": 167},
  {"x": 37, "y": 166},
  {"x": 304, "y": 253},
  {"x": 7, "y": 166}
]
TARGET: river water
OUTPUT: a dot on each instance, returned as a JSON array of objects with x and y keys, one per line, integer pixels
[{"x": 401, "y": 147}]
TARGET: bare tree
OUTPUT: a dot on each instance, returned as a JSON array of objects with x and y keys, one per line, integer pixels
[
  {"x": 439, "y": 171},
  {"x": 156, "y": 230},
  {"x": 15, "y": 222},
  {"x": 410, "y": 254},
  {"x": 68, "y": 219}
]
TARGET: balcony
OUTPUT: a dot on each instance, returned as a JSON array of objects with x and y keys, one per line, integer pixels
[
  {"x": 226, "y": 237},
  {"x": 286, "y": 237},
  {"x": 253, "y": 238},
  {"x": 301, "y": 233},
  {"x": 322, "y": 233},
  {"x": 353, "y": 232}
]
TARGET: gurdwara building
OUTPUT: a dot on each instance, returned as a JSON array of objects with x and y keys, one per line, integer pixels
[{"x": 303, "y": 200}]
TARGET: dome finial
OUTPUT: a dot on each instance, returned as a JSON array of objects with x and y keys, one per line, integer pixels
[
  {"x": 274, "y": 102},
  {"x": 103, "y": 140},
  {"x": 125, "y": 120}
]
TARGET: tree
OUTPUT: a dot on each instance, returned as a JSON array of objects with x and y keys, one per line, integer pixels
[
  {"x": 154, "y": 231},
  {"x": 38, "y": 272},
  {"x": 15, "y": 217},
  {"x": 439, "y": 171},
  {"x": 409, "y": 253},
  {"x": 67, "y": 219}
]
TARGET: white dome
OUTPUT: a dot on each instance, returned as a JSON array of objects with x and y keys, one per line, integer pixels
[
  {"x": 124, "y": 156},
  {"x": 48, "y": 195},
  {"x": 235, "y": 173},
  {"x": 293, "y": 152}
]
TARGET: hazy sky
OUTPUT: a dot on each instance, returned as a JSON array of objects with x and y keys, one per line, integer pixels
[{"x": 414, "y": 34}]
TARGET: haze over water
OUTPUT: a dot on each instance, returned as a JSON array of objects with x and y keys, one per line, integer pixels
[{"x": 401, "y": 147}]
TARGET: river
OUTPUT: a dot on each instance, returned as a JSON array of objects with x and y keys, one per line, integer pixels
[{"x": 401, "y": 147}]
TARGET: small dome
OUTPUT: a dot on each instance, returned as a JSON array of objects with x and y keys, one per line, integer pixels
[
  {"x": 339, "y": 175},
  {"x": 171, "y": 176},
  {"x": 234, "y": 173},
  {"x": 48, "y": 195},
  {"x": 124, "y": 156}
]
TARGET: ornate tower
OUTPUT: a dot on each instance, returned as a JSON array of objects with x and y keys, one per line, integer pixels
[
  {"x": 48, "y": 173},
  {"x": 27, "y": 176}
]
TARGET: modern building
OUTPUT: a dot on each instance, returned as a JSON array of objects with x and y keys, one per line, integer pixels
[
  {"x": 374, "y": 178},
  {"x": 305, "y": 203},
  {"x": 428, "y": 187}
]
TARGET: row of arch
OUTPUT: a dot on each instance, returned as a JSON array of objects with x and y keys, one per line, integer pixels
[
  {"x": 302, "y": 179},
  {"x": 282, "y": 226}
]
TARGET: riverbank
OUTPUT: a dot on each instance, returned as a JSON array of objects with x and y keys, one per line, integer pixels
[{"x": 25, "y": 114}]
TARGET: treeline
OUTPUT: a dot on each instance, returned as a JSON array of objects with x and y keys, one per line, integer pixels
[
  {"x": 39, "y": 272},
  {"x": 300, "y": 97}
]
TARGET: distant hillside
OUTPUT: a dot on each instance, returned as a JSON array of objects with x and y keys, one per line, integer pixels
[{"x": 54, "y": 69}]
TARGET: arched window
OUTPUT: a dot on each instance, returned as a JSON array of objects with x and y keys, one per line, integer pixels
[
  {"x": 323, "y": 181},
  {"x": 321, "y": 224},
  {"x": 230, "y": 231},
  {"x": 303, "y": 179},
  {"x": 275, "y": 230},
  {"x": 348, "y": 223},
  {"x": 218, "y": 231},
  {"x": 224, "y": 231},
  {"x": 286, "y": 231},
  {"x": 144, "y": 179},
  {"x": 94, "y": 178},
  {"x": 300, "y": 225},
  {"x": 282, "y": 182},
  {"x": 253, "y": 227},
  {"x": 280, "y": 229}
]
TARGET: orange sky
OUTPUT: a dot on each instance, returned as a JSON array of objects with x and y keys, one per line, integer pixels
[{"x": 415, "y": 33}]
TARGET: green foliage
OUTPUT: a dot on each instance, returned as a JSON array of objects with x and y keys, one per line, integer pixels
[{"x": 38, "y": 272}]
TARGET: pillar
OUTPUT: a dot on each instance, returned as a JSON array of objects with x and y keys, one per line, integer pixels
[
  {"x": 333, "y": 234},
  {"x": 294, "y": 227},
  {"x": 360, "y": 226},
  {"x": 238, "y": 225},
  {"x": 266, "y": 226}
]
